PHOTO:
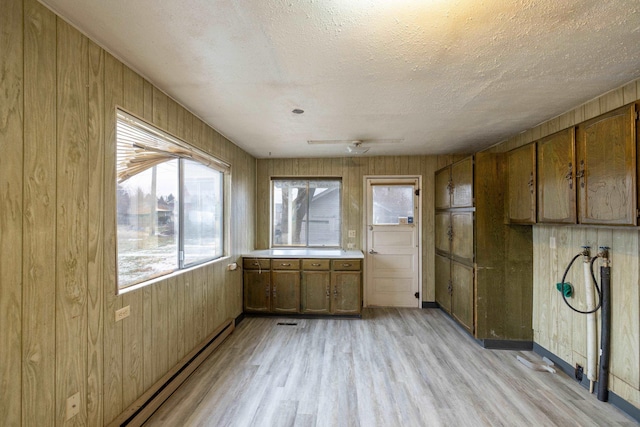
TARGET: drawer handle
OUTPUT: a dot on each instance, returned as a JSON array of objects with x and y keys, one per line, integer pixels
[
  {"x": 346, "y": 265},
  {"x": 256, "y": 263},
  {"x": 315, "y": 264},
  {"x": 285, "y": 264}
]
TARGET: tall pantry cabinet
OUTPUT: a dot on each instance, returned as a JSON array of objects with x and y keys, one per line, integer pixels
[{"x": 483, "y": 265}]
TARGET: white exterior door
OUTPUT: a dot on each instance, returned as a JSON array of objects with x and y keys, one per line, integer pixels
[{"x": 393, "y": 252}]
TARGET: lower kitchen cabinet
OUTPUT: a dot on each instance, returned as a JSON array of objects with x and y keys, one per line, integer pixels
[
  {"x": 257, "y": 285},
  {"x": 307, "y": 286},
  {"x": 462, "y": 294},
  {"x": 454, "y": 290},
  {"x": 285, "y": 291},
  {"x": 346, "y": 292},
  {"x": 316, "y": 286},
  {"x": 285, "y": 285}
]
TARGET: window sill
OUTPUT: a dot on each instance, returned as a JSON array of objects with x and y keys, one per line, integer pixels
[{"x": 171, "y": 275}]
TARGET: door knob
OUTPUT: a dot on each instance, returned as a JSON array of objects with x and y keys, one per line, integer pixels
[{"x": 372, "y": 252}]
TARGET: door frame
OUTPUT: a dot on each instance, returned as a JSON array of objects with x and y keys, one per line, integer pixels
[{"x": 365, "y": 231}]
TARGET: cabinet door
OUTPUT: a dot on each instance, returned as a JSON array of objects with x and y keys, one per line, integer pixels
[
  {"x": 462, "y": 183},
  {"x": 521, "y": 193},
  {"x": 462, "y": 236},
  {"x": 257, "y": 290},
  {"x": 462, "y": 294},
  {"x": 443, "y": 188},
  {"x": 606, "y": 150},
  {"x": 285, "y": 291},
  {"x": 443, "y": 232},
  {"x": 443, "y": 282},
  {"x": 316, "y": 292},
  {"x": 346, "y": 297},
  {"x": 556, "y": 178}
]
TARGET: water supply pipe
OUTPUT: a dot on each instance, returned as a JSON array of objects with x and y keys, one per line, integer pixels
[
  {"x": 605, "y": 319},
  {"x": 592, "y": 344},
  {"x": 590, "y": 284}
]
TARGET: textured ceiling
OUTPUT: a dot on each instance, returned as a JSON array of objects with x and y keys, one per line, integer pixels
[{"x": 442, "y": 75}]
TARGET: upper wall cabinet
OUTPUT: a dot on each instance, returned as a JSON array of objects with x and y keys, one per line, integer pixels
[
  {"x": 443, "y": 188},
  {"x": 521, "y": 194},
  {"x": 454, "y": 185},
  {"x": 606, "y": 170},
  {"x": 556, "y": 178},
  {"x": 462, "y": 183}
]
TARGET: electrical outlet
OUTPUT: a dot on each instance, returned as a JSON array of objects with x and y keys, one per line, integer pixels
[
  {"x": 352, "y": 233},
  {"x": 349, "y": 245},
  {"x": 122, "y": 313},
  {"x": 73, "y": 406}
]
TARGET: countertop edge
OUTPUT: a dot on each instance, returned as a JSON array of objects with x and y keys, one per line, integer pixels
[{"x": 305, "y": 253}]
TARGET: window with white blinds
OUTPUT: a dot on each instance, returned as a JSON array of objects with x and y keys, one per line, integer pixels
[{"x": 170, "y": 203}]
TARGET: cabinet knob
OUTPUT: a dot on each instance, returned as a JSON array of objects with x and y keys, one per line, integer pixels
[
  {"x": 315, "y": 264},
  {"x": 285, "y": 264}
]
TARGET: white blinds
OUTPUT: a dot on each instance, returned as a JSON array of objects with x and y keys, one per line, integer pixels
[{"x": 141, "y": 146}]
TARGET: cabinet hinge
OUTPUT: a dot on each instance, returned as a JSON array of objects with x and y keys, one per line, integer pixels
[
  {"x": 637, "y": 213},
  {"x": 418, "y": 192},
  {"x": 417, "y": 294}
]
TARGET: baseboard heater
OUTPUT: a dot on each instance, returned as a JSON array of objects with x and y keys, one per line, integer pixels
[{"x": 140, "y": 410}]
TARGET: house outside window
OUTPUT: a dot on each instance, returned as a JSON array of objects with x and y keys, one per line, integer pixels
[{"x": 306, "y": 212}]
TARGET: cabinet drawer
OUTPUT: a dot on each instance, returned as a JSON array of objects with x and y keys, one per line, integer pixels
[
  {"x": 316, "y": 264},
  {"x": 256, "y": 263},
  {"x": 345, "y": 264},
  {"x": 285, "y": 264}
]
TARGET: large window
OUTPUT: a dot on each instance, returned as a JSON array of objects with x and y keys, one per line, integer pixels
[
  {"x": 306, "y": 212},
  {"x": 170, "y": 203}
]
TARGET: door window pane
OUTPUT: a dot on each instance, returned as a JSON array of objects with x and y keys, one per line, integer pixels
[{"x": 391, "y": 203}]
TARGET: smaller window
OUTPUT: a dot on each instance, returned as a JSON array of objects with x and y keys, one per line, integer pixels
[
  {"x": 306, "y": 212},
  {"x": 170, "y": 203}
]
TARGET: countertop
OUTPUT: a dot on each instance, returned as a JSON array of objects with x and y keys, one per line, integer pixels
[{"x": 305, "y": 253}]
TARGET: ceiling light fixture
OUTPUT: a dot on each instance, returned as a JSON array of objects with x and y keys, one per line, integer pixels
[
  {"x": 357, "y": 148},
  {"x": 297, "y": 111}
]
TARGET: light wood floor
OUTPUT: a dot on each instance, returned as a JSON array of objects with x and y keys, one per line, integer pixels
[{"x": 406, "y": 367}]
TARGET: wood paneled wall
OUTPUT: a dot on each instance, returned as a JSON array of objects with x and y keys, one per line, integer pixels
[
  {"x": 58, "y": 94},
  {"x": 556, "y": 327},
  {"x": 352, "y": 171}
]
